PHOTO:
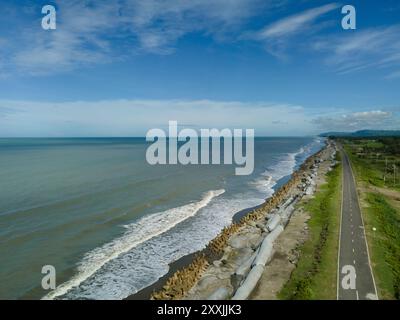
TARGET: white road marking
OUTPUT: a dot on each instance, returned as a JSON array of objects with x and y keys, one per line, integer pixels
[
  {"x": 340, "y": 234},
  {"x": 371, "y": 296},
  {"x": 365, "y": 237}
]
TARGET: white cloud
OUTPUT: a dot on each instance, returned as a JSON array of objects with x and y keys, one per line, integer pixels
[
  {"x": 362, "y": 49},
  {"x": 278, "y": 35},
  {"x": 97, "y": 31},
  {"x": 78, "y": 39},
  {"x": 135, "y": 117},
  {"x": 345, "y": 52},
  {"x": 295, "y": 23},
  {"x": 92, "y": 32}
]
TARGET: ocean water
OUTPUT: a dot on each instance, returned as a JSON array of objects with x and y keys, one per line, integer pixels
[{"x": 109, "y": 222}]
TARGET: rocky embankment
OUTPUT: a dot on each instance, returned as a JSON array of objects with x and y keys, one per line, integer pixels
[{"x": 232, "y": 264}]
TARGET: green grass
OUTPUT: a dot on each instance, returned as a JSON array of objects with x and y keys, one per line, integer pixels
[
  {"x": 366, "y": 170},
  {"x": 384, "y": 244},
  {"x": 369, "y": 159},
  {"x": 315, "y": 275},
  {"x": 373, "y": 144}
]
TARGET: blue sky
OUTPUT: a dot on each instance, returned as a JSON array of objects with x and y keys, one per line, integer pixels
[{"x": 119, "y": 68}]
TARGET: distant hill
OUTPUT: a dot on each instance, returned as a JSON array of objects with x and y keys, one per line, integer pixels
[{"x": 363, "y": 133}]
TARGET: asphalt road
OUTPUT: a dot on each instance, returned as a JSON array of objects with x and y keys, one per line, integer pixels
[{"x": 355, "y": 278}]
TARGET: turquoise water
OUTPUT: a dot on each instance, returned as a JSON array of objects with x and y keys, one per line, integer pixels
[{"x": 109, "y": 222}]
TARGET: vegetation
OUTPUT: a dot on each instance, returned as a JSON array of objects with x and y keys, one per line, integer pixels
[
  {"x": 363, "y": 134},
  {"x": 316, "y": 270},
  {"x": 385, "y": 245},
  {"x": 374, "y": 162}
]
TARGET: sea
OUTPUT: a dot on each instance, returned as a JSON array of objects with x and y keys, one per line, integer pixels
[{"x": 110, "y": 223}]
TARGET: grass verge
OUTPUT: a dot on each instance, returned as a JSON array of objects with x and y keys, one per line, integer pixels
[
  {"x": 384, "y": 244},
  {"x": 378, "y": 213},
  {"x": 315, "y": 275}
]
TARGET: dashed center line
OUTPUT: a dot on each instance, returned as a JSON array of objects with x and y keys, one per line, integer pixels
[{"x": 350, "y": 203}]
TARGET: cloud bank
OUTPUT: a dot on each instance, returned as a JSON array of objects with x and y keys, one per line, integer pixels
[
  {"x": 120, "y": 118},
  {"x": 136, "y": 117}
]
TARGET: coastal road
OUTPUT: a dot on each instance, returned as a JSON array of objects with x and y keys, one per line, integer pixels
[{"x": 355, "y": 277}]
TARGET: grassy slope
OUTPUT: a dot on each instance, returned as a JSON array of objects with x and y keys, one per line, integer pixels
[
  {"x": 384, "y": 243},
  {"x": 316, "y": 271}
]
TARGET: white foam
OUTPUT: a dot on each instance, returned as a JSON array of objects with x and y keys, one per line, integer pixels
[
  {"x": 269, "y": 178},
  {"x": 137, "y": 233},
  {"x": 284, "y": 167},
  {"x": 142, "y": 255},
  {"x": 265, "y": 184},
  {"x": 146, "y": 263}
]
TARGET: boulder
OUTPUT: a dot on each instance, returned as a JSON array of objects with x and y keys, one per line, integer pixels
[{"x": 222, "y": 293}]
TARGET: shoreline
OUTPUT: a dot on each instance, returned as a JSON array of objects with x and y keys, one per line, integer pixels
[
  {"x": 238, "y": 217},
  {"x": 145, "y": 293},
  {"x": 261, "y": 251}
]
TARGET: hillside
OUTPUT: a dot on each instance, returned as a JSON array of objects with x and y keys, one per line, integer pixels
[{"x": 363, "y": 133}]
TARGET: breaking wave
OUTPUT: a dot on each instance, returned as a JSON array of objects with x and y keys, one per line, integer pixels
[{"x": 137, "y": 233}]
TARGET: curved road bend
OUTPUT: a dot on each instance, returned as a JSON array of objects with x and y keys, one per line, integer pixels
[{"x": 355, "y": 278}]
